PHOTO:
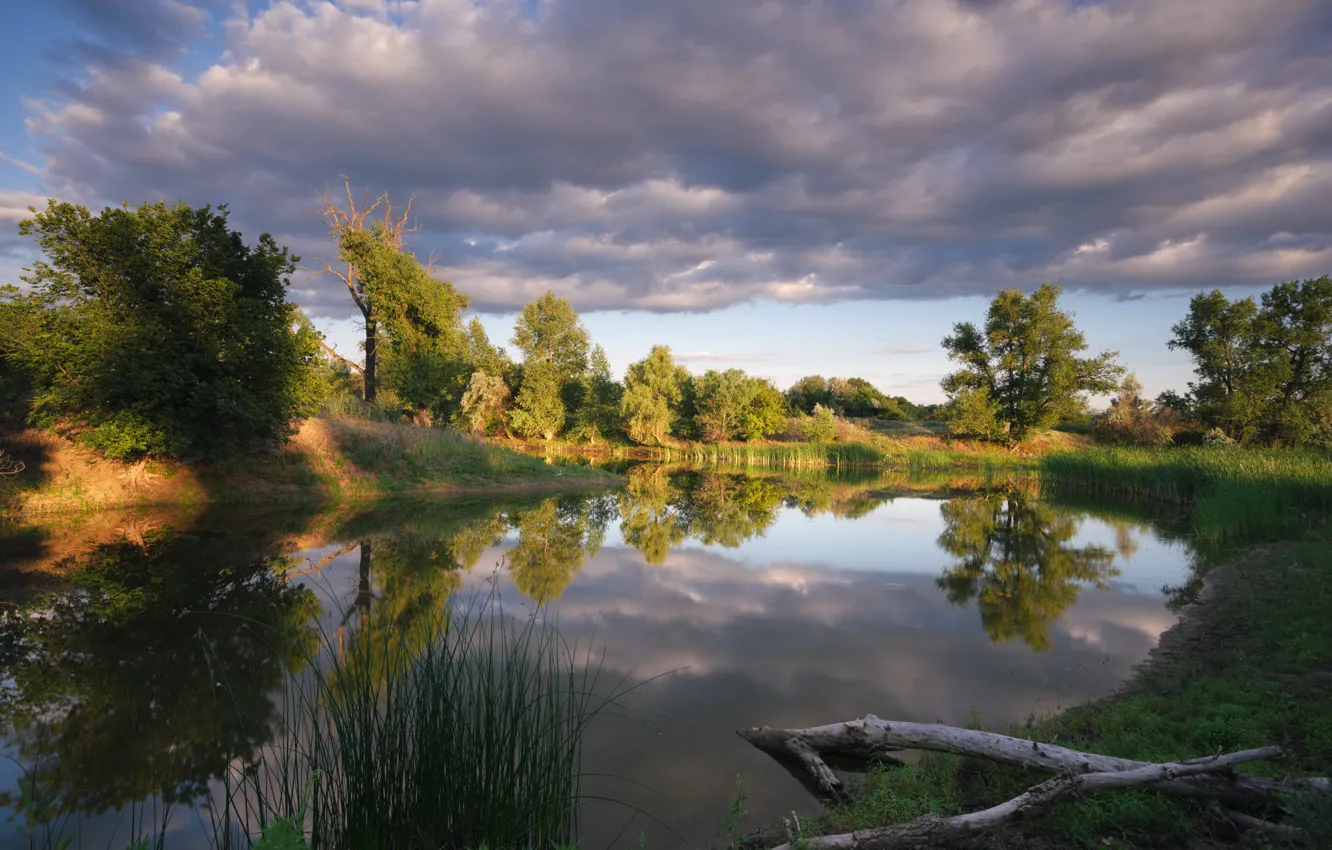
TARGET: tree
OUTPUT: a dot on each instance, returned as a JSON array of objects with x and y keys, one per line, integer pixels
[
  {"x": 766, "y": 413},
  {"x": 722, "y": 399},
  {"x": 1221, "y": 336},
  {"x": 1131, "y": 419},
  {"x": 355, "y": 224},
  {"x": 538, "y": 410},
  {"x": 549, "y": 331},
  {"x": 599, "y": 400},
  {"x": 555, "y": 345},
  {"x": 653, "y": 392},
  {"x": 157, "y": 330},
  {"x": 1263, "y": 372},
  {"x": 809, "y": 391},
  {"x": 821, "y": 427},
  {"x": 1024, "y": 364},
  {"x": 484, "y": 404}
]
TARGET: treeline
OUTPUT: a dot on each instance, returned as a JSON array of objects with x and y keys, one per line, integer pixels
[
  {"x": 156, "y": 330},
  {"x": 1263, "y": 372}
]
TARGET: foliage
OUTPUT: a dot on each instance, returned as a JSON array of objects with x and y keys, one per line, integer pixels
[
  {"x": 854, "y": 397},
  {"x": 974, "y": 412},
  {"x": 1264, "y": 373},
  {"x": 1131, "y": 419},
  {"x": 1025, "y": 363},
  {"x": 731, "y": 404},
  {"x": 538, "y": 410},
  {"x": 598, "y": 412},
  {"x": 422, "y": 347},
  {"x": 653, "y": 393},
  {"x": 765, "y": 414},
  {"x": 554, "y": 540},
  {"x": 549, "y": 332},
  {"x": 818, "y": 428},
  {"x": 156, "y": 330},
  {"x": 484, "y": 405}
]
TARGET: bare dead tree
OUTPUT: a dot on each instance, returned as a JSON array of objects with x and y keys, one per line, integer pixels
[
  {"x": 9, "y": 466},
  {"x": 390, "y": 227}
]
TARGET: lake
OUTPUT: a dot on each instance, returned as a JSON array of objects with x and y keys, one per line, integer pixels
[{"x": 152, "y": 664}]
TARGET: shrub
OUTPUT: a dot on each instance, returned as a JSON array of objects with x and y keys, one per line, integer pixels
[{"x": 821, "y": 427}]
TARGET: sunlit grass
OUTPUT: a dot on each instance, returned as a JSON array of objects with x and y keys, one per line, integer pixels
[{"x": 1228, "y": 491}]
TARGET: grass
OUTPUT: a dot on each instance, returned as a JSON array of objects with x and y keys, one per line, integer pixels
[
  {"x": 1229, "y": 492},
  {"x": 454, "y": 729},
  {"x": 1252, "y": 668}
]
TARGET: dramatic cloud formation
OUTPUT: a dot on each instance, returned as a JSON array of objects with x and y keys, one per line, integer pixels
[{"x": 697, "y": 154}]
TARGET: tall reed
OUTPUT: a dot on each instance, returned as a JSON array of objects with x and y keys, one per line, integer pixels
[
  {"x": 460, "y": 729},
  {"x": 1228, "y": 491}
]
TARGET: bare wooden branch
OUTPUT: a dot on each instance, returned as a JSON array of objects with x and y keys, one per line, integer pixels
[
  {"x": 332, "y": 352},
  {"x": 934, "y": 831},
  {"x": 874, "y": 738}
]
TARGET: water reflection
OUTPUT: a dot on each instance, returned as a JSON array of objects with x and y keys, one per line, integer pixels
[
  {"x": 1018, "y": 559},
  {"x": 779, "y": 600},
  {"x": 151, "y": 675}
]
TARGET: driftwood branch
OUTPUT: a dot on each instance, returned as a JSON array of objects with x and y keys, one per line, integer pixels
[
  {"x": 872, "y": 738},
  {"x": 933, "y": 830},
  {"x": 332, "y": 352}
]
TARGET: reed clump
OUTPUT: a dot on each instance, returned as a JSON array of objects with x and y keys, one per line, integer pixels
[
  {"x": 459, "y": 728},
  {"x": 1228, "y": 490}
]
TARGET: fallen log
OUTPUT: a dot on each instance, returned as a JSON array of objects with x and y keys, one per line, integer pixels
[
  {"x": 934, "y": 831},
  {"x": 872, "y": 738}
]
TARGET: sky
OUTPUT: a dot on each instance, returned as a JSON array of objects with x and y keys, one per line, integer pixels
[{"x": 785, "y": 187}]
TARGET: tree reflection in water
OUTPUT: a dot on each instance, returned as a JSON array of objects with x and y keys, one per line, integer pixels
[
  {"x": 1017, "y": 559},
  {"x": 152, "y": 676}
]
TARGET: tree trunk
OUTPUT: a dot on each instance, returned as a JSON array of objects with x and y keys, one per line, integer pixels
[
  {"x": 873, "y": 738},
  {"x": 371, "y": 360},
  {"x": 934, "y": 831}
]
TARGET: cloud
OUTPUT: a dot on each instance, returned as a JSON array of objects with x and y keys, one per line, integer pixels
[
  {"x": 694, "y": 155},
  {"x": 709, "y": 357},
  {"x": 908, "y": 348}
]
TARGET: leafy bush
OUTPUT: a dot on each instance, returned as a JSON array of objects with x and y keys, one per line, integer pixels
[
  {"x": 821, "y": 427},
  {"x": 156, "y": 330}
]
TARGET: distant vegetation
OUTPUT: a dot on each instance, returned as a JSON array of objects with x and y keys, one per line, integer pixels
[{"x": 155, "y": 331}]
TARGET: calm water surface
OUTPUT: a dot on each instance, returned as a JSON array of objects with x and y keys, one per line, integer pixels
[{"x": 739, "y": 601}]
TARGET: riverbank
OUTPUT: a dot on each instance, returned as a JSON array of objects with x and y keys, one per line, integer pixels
[
  {"x": 327, "y": 461},
  {"x": 1248, "y": 665},
  {"x": 864, "y": 444}
]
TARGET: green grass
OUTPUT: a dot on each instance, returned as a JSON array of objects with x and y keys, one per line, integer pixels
[
  {"x": 1257, "y": 671},
  {"x": 406, "y": 455},
  {"x": 1229, "y": 492},
  {"x": 457, "y": 729}
]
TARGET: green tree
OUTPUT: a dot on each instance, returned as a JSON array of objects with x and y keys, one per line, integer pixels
[
  {"x": 654, "y": 389},
  {"x": 538, "y": 409},
  {"x": 820, "y": 427},
  {"x": 1025, "y": 363},
  {"x": 555, "y": 347},
  {"x": 485, "y": 404},
  {"x": 1017, "y": 557},
  {"x": 722, "y": 398},
  {"x": 549, "y": 331},
  {"x": 422, "y": 348},
  {"x": 766, "y": 413},
  {"x": 157, "y": 330},
  {"x": 809, "y": 391},
  {"x": 1264, "y": 373},
  {"x": 1222, "y": 337},
  {"x": 598, "y": 410}
]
